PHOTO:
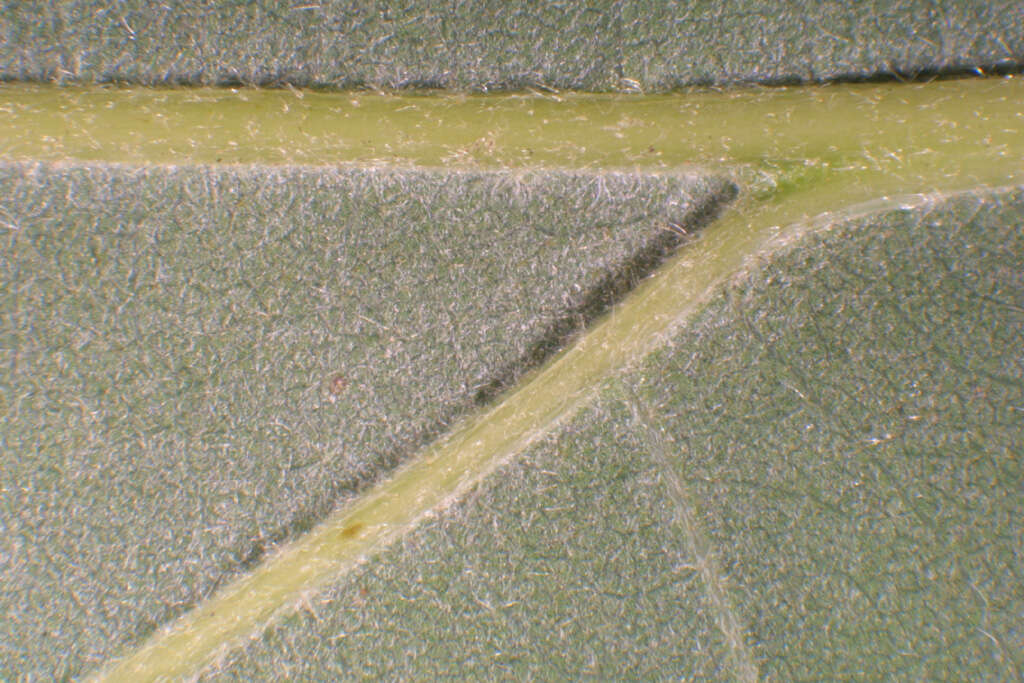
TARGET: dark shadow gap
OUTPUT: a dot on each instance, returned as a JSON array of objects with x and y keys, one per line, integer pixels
[
  {"x": 610, "y": 290},
  {"x": 527, "y": 83}
]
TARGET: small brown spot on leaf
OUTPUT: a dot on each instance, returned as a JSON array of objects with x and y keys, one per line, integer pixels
[
  {"x": 352, "y": 530},
  {"x": 337, "y": 384}
]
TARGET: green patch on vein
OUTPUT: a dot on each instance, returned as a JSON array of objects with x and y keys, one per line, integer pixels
[{"x": 801, "y": 151}]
